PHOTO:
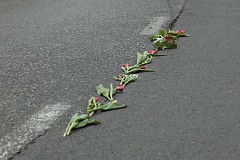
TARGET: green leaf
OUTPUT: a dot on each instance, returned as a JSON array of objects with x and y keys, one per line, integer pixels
[
  {"x": 157, "y": 37},
  {"x": 112, "y": 106},
  {"x": 140, "y": 70},
  {"x": 171, "y": 32},
  {"x": 171, "y": 44},
  {"x": 160, "y": 42},
  {"x": 78, "y": 121},
  {"x": 135, "y": 69},
  {"x": 76, "y": 118},
  {"x": 102, "y": 91},
  {"x": 70, "y": 123},
  {"x": 92, "y": 104},
  {"x": 81, "y": 124},
  {"x": 125, "y": 79},
  {"x": 129, "y": 68},
  {"x": 159, "y": 45},
  {"x": 154, "y": 37},
  {"x": 162, "y": 32},
  {"x": 93, "y": 122},
  {"x": 87, "y": 122},
  {"x": 143, "y": 58},
  {"x": 130, "y": 78},
  {"x": 108, "y": 93}
]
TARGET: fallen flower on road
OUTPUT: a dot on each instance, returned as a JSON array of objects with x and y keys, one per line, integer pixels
[
  {"x": 125, "y": 78},
  {"x": 164, "y": 39},
  {"x": 78, "y": 121},
  {"x": 108, "y": 93}
]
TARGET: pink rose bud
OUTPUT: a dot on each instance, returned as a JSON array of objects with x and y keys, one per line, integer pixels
[
  {"x": 97, "y": 99},
  {"x": 152, "y": 52},
  {"x": 143, "y": 67},
  {"x": 126, "y": 65},
  {"x": 120, "y": 87}
]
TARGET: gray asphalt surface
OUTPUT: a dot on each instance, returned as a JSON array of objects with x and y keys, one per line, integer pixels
[
  {"x": 57, "y": 52},
  {"x": 187, "y": 110}
]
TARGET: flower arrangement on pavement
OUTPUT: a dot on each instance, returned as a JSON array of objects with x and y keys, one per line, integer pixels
[{"x": 164, "y": 39}]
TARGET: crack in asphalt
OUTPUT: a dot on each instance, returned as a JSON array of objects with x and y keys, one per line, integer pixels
[
  {"x": 176, "y": 8},
  {"x": 173, "y": 13}
]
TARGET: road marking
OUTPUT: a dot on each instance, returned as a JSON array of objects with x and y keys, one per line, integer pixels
[
  {"x": 155, "y": 25},
  {"x": 32, "y": 128}
]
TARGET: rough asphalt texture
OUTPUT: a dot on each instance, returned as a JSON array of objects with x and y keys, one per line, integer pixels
[
  {"x": 187, "y": 110},
  {"x": 57, "y": 52}
]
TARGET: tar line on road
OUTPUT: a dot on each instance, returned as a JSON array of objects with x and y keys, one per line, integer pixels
[{"x": 31, "y": 129}]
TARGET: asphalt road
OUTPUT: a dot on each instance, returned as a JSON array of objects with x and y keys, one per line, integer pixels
[
  {"x": 54, "y": 53},
  {"x": 187, "y": 110}
]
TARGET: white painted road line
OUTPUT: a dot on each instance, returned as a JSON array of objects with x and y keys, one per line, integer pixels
[
  {"x": 32, "y": 128},
  {"x": 155, "y": 25}
]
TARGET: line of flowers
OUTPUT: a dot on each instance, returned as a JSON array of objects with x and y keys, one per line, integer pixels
[{"x": 164, "y": 39}]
